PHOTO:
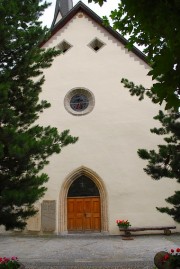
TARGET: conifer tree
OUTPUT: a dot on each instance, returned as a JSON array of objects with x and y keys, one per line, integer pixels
[
  {"x": 164, "y": 163},
  {"x": 155, "y": 26},
  {"x": 24, "y": 145}
]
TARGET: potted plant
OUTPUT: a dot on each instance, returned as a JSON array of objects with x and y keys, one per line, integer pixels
[
  {"x": 10, "y": 263},
  {"x": 168, "y": 260},
  {"x": 123, "y": 224}
]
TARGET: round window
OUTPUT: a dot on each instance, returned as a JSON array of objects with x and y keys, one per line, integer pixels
[{"x": 79, "y": 101}]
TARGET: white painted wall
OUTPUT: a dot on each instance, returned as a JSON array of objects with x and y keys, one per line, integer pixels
[{"x": 111, "y": 134}]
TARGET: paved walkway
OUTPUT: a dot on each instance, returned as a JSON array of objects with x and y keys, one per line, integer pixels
[{"x": 89, "y": 251}]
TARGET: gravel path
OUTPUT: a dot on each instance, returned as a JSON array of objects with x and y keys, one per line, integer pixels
[{"x": 76, "y": 251}]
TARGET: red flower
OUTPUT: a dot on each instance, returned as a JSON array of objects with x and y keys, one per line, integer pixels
[
  {"x": 178, "y": 250},
  {"x": 172, "y": 250},
  {"x": 14, "y": 258},
  {"x": 166, "y": 257}
]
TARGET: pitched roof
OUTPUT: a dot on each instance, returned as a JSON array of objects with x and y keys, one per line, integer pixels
[{"x": 80, "y": 6}]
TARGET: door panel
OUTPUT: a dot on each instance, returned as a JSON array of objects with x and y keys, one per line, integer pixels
[
  {"x": 83, "y": 214},
  {"x": 96, "y": 214},
  {"x": 78, "y": 217},
  {"x": 71, "y": 210},
  {"x": 87, "y": 214}
]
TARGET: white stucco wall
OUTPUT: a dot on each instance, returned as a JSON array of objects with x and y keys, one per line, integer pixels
[{"x": 111, "y": 134}]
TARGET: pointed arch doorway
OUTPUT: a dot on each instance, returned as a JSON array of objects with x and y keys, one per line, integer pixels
[
  {"x": 83, "y": 206},
  {"x": 96, "y": 203}
]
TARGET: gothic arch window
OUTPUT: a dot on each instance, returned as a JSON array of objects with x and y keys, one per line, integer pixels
[{"x": 83, "y": 186}]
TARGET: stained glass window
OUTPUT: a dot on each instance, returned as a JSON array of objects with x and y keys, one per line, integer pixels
[
  {"x": 83, "y": 186},
  {"x": 79, "y": 102}
]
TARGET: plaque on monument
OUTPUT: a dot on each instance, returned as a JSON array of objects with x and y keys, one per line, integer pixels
[{"x": 48, "y": 215}]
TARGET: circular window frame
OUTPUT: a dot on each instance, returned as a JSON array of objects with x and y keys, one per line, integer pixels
[{"x": 79, "y": 90}]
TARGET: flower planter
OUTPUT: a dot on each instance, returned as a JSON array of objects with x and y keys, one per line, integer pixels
[
  {"x": 172, "y": 262},
  {"x": 127, "y": 234},
  {"x": 10, "y": 263},
  {"x": 123, "y": 226},
  {"x": 158, "y": 260},
  {"x": 125, "y": 230}
]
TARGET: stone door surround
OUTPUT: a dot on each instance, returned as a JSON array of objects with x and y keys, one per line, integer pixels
[{"x": 62, "y": 214}]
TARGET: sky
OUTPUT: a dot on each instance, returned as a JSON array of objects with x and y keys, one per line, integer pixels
[{"x": 101, "y": 11}]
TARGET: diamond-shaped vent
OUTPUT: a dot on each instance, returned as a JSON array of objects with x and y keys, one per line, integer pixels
[
  {"x": 96, "y": 44},
  {"x": 64, "y": 46}
]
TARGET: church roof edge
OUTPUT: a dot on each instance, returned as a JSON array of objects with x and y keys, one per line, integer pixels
[{"x": 80, "y": 6}]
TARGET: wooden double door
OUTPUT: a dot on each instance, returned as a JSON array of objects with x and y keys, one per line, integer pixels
[{"x": 83, "y": 214}]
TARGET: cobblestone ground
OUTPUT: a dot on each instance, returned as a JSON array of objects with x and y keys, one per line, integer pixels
[{"x": 75, "y": 252}]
